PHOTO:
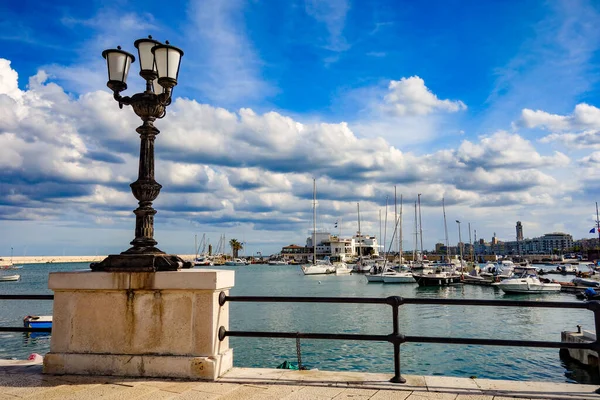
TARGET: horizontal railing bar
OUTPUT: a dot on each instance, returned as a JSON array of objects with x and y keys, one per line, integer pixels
[
  {"x": 26, "y": 297},
  {"x": 23, "y": 329},
  {"x": 499, "y": 342},
  {"x": 302, "y": 335},
  {"x": 412, "y": 339},
  {"x": 497, "y": 303},
  {"x": 409, "y": 300},
  {"x": 295, "y": 299}
]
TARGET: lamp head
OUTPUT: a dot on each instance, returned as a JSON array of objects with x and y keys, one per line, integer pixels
[{"x": 118, "y": 63}]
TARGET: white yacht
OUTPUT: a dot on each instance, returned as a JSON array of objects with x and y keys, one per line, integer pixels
[
  {"x": 278, "y": 262},
  {"x": 525, "y": 280},
  {"x": 375, "y": 276},
  {"x": 236, "y": 261},
  {"x": 399, "y": 277},
  {"x": 321, "y": 267}
]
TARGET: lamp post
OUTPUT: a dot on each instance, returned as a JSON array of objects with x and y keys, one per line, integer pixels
[
  {"x": 159, "y": 66},
  {"x": 460, "y": 245}
]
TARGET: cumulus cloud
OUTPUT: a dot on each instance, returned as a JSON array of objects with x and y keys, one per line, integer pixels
[
  {"x": 506, "y": 150},
  {"x": 410, "y": 96},
  {"x": 579, "y": 130},
  {"x": 224, "y": 168},
  {"x": 584, "y": 116}
]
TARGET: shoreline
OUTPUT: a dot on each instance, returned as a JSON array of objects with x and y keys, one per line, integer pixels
[{"x": 18, "y": 260}]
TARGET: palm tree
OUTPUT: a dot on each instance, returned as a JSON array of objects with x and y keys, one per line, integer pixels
[{"x": 235, "y": 247}]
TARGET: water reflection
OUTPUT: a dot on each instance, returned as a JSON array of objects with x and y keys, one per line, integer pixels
[{"x": 578, "y": 373}]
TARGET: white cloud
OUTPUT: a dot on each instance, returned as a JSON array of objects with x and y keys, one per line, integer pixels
[
  {"x": 584, "y": 116},
  {"x": 505, "y": 150},
  {"x": 410, "y": 96},
  {"x": 221, "y": 168}
]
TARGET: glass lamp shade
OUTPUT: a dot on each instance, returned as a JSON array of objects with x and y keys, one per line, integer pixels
[
  {"x": 168, "y": 59},
  {"x": 156, "y": 88},
  {"x": 118, "y": 62},
  {"x": 147, "y": 63}
]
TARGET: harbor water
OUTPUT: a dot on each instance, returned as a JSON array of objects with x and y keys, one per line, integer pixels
[{"x": 495, "y": 362}]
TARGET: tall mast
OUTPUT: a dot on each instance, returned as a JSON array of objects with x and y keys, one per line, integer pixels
[
  {"x": 471, "y": 244},
  {"x": 420, "y": 225},
  {"x": 396, "y": 219},
  {"x": 446, "y": 231},
  {"x": 314, "y": 221},
  {"x": 380, "y": 235},
  {"x": 359, "y": 234},
  {"x": 597, "y": 224},
  {"x": 400, "y": 236},
  {"x": 416, "y": 235},
  {"x": 385, "y": 231}
]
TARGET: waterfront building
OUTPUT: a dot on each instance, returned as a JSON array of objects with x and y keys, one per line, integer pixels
[
  {"x": 332, "y": 246},
  {"x": 550, "y": 243}
]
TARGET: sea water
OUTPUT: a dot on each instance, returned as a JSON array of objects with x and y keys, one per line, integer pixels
[{"x": 496, "y": 362}]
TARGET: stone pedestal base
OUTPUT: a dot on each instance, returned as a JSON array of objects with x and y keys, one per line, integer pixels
[
  {"x": 162, "y": 324},
  {"x": 161, "y": 366}
]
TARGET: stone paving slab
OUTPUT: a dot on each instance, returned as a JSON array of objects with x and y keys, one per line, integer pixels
[{"x": 24, "y": 380}]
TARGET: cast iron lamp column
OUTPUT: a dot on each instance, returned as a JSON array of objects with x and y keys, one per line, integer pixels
[{"x": 159, "y": 66}]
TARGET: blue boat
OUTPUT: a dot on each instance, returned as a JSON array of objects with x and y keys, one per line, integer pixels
[{"x": 37, "y": 321}]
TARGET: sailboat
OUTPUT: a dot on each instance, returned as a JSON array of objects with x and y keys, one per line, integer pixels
[
  {"x": 9, "y": 264},
  {"x": 403, "y": 275},
  {"x": 363, "y": 265},
  {"x": 445, "y": 273},
  {"x": 318, "y": 267}
]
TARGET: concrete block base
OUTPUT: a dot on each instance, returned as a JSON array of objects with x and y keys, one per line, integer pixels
[
  {"x": 162, "y": 324},
  {"x": 155, "y": 366}
]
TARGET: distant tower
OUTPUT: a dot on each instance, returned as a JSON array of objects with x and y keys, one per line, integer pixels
[
  {"x": 519, "y": 231},
  {"x": 494, "y": 239}
]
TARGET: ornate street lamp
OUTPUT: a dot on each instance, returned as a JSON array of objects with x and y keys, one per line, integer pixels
[{"x": 159, "y": 66}]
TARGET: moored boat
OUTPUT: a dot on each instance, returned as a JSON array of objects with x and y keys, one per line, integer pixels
[
  {"x": 443, "y": 275},
  {"x": 236, "y": 261},
  {"x": 37, "y": 321},
  {"x": 399, "y": 277},
  {"x": 527, "y": 281},
  {"x": 9, "y": 278},
  {"x": 278, "y": 262}
]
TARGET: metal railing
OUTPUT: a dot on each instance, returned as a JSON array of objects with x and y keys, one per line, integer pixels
[
  {"x": 396, "y": 338},
  {"x": 25, "y": 297}
]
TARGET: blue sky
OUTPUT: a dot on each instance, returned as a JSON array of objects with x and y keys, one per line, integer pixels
[{"x": 491, "y": 105}]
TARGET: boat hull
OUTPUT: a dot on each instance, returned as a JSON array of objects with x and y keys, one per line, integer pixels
[
  {"x": 318, "y": 269},
  {"x": 10, "y": 278},
  {"x": 374, "y": 278},
  {"x": 531, "y": 288},
  {"x": 400, "y": 278},
  {"x": 433, "y": 280}
]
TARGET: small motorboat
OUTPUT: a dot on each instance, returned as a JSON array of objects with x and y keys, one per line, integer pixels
[
  {"x": 236, "y": 261},
  {"x": 37, "y": 321},
  {"x": 8, "y": 278},
  {"x": 342, "y": 268},
  {"x": 277, "y": 262},
  {"x": 528, "y": 282},
  {"x": 443, "y": 275},
  {"x": 399, "y": 277}
]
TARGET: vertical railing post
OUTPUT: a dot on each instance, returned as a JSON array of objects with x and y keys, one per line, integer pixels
[
  {"x": 594, "y": 306},
  {"x": 396, "y": 339}
]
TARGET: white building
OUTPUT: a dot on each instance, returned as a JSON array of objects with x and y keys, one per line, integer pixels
[{"x": 335, "y": 246}]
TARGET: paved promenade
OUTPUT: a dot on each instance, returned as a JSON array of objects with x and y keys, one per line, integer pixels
[{"x": 22, "y": 379}]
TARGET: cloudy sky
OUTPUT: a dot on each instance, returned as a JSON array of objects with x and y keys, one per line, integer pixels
[{"x": 491, "y": 105}]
